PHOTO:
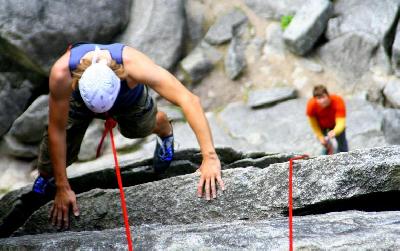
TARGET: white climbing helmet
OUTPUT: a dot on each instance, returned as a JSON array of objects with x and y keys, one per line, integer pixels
[{"x": 99, "y": 85}]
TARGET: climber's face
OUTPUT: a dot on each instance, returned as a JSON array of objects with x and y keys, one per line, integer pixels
[{"x": 323, "y": 100}]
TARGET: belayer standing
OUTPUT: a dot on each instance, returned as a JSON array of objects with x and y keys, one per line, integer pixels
[
  {"x": 100, "y": 81},
  {"x": 327, "y": 117}
]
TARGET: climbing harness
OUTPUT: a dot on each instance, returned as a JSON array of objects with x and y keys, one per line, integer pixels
[
  {"x": 109, "y": 125},
  {"x": 291, "y": 198}
]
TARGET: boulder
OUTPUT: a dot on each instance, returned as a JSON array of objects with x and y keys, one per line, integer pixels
[
  {"x": 12, "y": 147},
  {"x": 274, "y": 37},
  {"x": 396, "y": 52},
  {"x": 15, "y": 93},
  {"x": 333, "y": 231},
  {"x": 29, "y": 127},
  {"x": 272, "y": 9},
  {"x": 235, "y": 60},
  {"x": 195, "y": 20},
  {"x": 15, "y": 174},
  {"x": 391, "y": 126},
  {"x": 377, "y": 18},
  {"x": 269, "y": 97},
  {"x": 199, "y": 63},
  {"x": 34, "y": 34},
  {"x": 307, "y": 26},
  {"x": 156, "y": 28},
  {"x": 350, "y": 54},
  {"x": 224, "y": 28},
  {"x": 358, "y": 175},
  {"x": 392, "y": 92}
]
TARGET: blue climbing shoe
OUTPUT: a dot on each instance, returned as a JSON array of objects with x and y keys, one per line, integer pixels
[
  {"x": 43, "y": 186},
  {"x": 163, "y": 154}
]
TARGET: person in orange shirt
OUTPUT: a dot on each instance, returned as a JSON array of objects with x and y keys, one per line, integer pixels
[{"x": 327, "y": 116}]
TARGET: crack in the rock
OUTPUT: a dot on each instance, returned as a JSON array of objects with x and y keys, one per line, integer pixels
[{"x": 371, "y": 202}]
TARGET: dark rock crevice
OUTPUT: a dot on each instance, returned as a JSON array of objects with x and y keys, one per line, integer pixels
[{"x": 371, "y": 202}]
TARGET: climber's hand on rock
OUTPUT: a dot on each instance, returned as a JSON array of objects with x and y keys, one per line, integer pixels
[
  {"x": 65, "y": 199},
  {"x": 210, "y": 170}
]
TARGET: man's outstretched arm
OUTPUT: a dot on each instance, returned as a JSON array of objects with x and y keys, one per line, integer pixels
[
  {"x": 316, "y": 129},
  {"x": 143, "y": 70},
  {"x": 60, "y": 91}
]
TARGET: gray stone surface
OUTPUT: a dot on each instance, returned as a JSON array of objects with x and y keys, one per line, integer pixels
[
  {"x": 284, "y": 127},
  {"x": 391, "y": 126},
  {"x": 15, "y": 174},
  {"x": 235, "y": 60},
  {"x": 274, "y": 37},
  {"x": 396, "y": 52},
  {"x": 310, "y": 65},
  {"x": 224, "y": 28},
  {"x": 15, "y": 92},
  {"x": 334, "y": 231},
  {"x": 307, "y": 26},
  {"x": 35, "y": 33},
  {"x": 12, "y": 147},
  {"x": 350, "y": 54},
  {"x": 156, "y": 28},
  {"x": 274, "y": 9},
  {"x": 377, "y": 18},
  {"x": 100, "y": 175},
  {"x": 392, "y": 92},
  {"x": 268, "y": 97},
  {"x": 381, "y": 62},
  {"x": 195, "y": 11},
  {"x": 199, "y": 62},
  {"x": 8, "y": 201},
  {"x": 170, "y": 201},
  {"x": 186, "y": 139},
  {"x": 29, "y": 127}
]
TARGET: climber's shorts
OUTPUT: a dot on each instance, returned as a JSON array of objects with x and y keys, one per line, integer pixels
[{"x": 137, "y": 121}]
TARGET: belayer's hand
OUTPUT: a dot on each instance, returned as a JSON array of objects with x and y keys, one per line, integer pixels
[
  {"x": 64, "y": 199},
  {"x": 331, "y": 134},
  {"x": 210, "y": 170}
]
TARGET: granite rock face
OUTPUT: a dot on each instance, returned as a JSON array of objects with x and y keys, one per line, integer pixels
[
  {"x": 333, "y": 231},
  {"x": 102, "y": 175},
  {"x": 15, "y": 92},
  {"x": 235, "y": 61},
  {"x": 268, "y": 97},
  {"x": 199, "y": 62},
  {"x": 350, "y": 54},
  {"x": 307, "y": 26},
  {"x": 156, "y": 27},
  {"x": 35, "y": 33},
  {"x": 357, "y": 175},
  {"x": 224, "y": 28},
  {"x": 377, "y": 18},
  {"x": 274, "y": 9}
]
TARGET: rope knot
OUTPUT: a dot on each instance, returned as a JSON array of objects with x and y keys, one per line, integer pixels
[{"x": 110, "y": 123}]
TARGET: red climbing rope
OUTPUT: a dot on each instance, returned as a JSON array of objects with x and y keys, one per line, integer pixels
[
  {"x": 291, "y": 199},
  {"x": 109, "y": 125}
]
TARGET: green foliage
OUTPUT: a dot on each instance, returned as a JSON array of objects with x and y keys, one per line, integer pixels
[{"x": 285, "y": 21}]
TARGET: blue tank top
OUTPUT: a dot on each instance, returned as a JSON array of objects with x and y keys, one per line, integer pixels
[{"x": 126, "y": 96}]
